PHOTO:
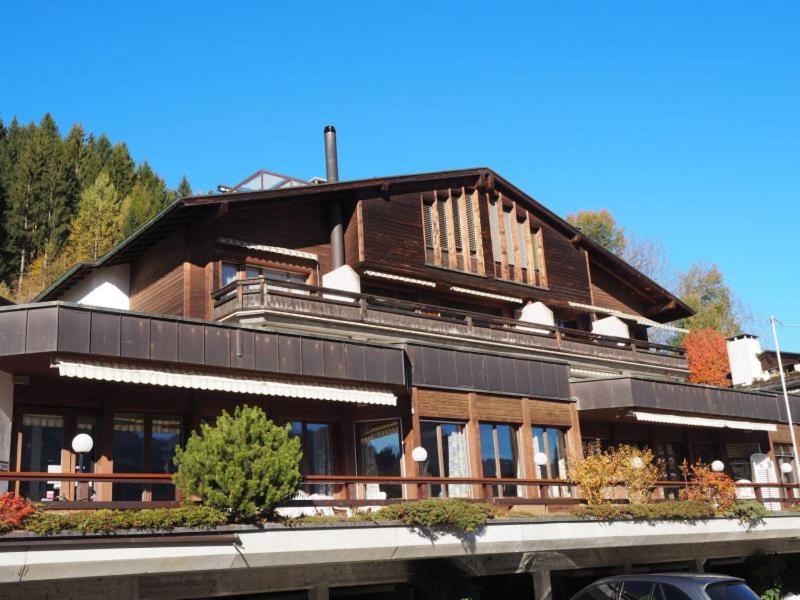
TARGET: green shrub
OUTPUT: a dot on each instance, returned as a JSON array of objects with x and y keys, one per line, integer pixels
[
  {"x": 749, "y": 512},
  {"x": 244, "y": 464},
  {"x": 684, "y": 510},
  {"x": 438, "y": 514},
  {"x": 109, "y": 521}
]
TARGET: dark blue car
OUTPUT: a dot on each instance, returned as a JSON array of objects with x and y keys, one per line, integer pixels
[{"x": 668, "y": 586}]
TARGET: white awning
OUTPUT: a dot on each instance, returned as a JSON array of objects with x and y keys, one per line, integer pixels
[
  {"x": 672, "y": 419},
  {"x": 404, "y": 279},
  {"x": 270, "y": 249},
  {"x": 242, "y": 384},
  {"x": 631, "y": 317}
]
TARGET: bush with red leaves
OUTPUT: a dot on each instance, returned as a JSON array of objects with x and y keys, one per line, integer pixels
[{"x": 13, "y": 511}]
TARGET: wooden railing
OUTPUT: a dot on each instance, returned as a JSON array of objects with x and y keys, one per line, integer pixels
[
  {"x": 254, "y": 293},
  {"x": 349, "y": 491}
]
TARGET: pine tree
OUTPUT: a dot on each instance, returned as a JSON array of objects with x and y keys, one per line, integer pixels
[
  {"x": 97, "y": 224},
  {"x": 26, "y": 212},
  {"x": 148, "y": 197},
  {"x": 184, "y": 189},
  {"x": 121, "y": 169}
]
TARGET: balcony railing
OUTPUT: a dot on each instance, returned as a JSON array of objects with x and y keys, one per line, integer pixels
[
  {"x": 258, "y": 294},
  {"x": 353, "y": 491}
]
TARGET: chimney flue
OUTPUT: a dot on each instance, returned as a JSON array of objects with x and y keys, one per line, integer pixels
[
  {"x": 331, "y": 160},
  {"x": 334, "y": 206}
]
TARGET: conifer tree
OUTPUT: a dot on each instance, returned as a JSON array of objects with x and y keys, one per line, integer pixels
[
  {"x": 184, "y": 188},
  {"x": 148, "y": 197},
  {"x": 121, "y": 169},
  {"x": 97, "y": 224}
]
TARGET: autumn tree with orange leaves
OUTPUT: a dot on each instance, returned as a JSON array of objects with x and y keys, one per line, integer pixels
[{"x": 707, "y": 356}]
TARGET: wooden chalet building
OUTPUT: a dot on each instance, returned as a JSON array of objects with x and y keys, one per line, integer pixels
[{"x": 447, "y": 310}]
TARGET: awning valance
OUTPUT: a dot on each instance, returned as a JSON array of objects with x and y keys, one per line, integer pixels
[
  {"x": 242, "y": 384},
  {"x": 673, "y": 419}
]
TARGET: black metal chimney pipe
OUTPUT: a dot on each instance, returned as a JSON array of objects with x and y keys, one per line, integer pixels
[{"x": 334, "y": 207}]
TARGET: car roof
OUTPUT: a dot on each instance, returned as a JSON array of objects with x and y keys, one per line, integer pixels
[{"x": 701, "y": 579}]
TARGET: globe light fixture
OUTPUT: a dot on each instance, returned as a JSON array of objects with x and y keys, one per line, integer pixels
[
  {"x": 637, "y": 462},
  {"x": 419, "y": 454},
  {"x": 786, "y": 468},
  {"x": 82, "y": 443},
  {"x": 717, "y": 466},
  {"x": 540, "y": 458}
]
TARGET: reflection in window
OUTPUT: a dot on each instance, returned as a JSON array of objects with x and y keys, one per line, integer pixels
[
  {"x": 378, "y": 453},
  {"x": 446, "y": 445},
  {"x": 167, "y": 435},
  {"x": 128, "y": 454},
  {"x": 229, "y": 273},
  {"x": 315, "y": 440},
  {"x": 550, "y": 441},
  {"x": 500, "y": 455},
  {"x": 43, "y": 438}
]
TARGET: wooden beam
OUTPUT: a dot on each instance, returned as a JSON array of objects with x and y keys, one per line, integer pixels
[
  {"x": 657, "y": 310},
  {"x": 575, "y": 240}
]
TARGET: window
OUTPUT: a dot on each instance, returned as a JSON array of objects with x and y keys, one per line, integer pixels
[
  {"x": 784, "y": 455},
  {"x": 43, "y": 440},
  {"x": 141, "y": 440},
  {"x": 638, "y": 590},
  {"x": 274, "y": 276},
  {"x": 230, "y": 273},
  {"x": 671, "y": 457},
  {"x": 731, "y": 590},
  {"x": 516, "y": 244},
  {"x": 449, "y": 226},
  {"x": 446, "y": 444},
  {"x": 315, "y": 440},
  {"x": 603, "y": 591},
  {"x": 551, "y": 442},
  {"x": 378, "y": 453},
  {"x": 500, "y": 454}
]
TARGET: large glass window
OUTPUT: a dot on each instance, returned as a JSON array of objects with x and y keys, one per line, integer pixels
[
  {"x": 550, "y": 441},
  {"x": 166, "y": 436},
  {"x": 784, "y": 454},
  {"x": 128, "y": 454},
  {"x": 378, "y": 453},
  {"x": 42, "y": 442},
  {"x": 500, "y": 454},
  {"x": 145, "y": 443},
  {"x": 672, "y": 457},
  {"x": 446, "y": 444},
  {"x": 315, "y": 439}
]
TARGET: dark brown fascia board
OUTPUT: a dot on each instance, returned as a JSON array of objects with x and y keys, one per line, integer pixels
[
  {"x": 482, "y": 177},
  {"x": 767, "y": 396},
  {"x": 49, "y": 334}
]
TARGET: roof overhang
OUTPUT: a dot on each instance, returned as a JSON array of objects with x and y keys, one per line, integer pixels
[
  {"x": 632, "y": 394},
  {"x": 123, "y": 372}
]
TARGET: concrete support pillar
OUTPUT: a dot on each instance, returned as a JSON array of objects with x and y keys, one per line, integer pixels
[
  {"x": 700, "y": 565},
  {"x": 6, "y": 412},
  {"x": 319, "y": 592},
  {"x": 542, "y": 586}
]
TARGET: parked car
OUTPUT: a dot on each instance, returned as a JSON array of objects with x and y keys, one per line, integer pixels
[{"x": 668, "y": 586}]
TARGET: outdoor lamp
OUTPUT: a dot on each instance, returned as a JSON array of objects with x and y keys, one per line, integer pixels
[
  {"x": 419, "y": 454},
  {"x": 540, "y": 458},
  {"x": 637, "y": 462},
  {"x": 82, "y": 443},
  {"x": 717, "y": 466},
  {"x": 786, "y": 468}
]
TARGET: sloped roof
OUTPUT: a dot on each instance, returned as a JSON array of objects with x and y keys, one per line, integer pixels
[{"x": 192, "y": 207}]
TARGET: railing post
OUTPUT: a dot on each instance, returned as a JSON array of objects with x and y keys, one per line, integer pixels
[
  {"x": 759, "y": 494},
  {"x": 362, "y": 304},
  {"x": 469, "y": 323},
  {"x": 559, "y": 337},
  {"x": 421, "y": 491}
]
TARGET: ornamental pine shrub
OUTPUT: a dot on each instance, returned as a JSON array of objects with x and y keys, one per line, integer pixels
[{"x": 244, "y": 465}]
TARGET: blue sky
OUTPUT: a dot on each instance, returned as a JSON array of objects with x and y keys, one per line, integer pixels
[{"x": 682, "y": 118}]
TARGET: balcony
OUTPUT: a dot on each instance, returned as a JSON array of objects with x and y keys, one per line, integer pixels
[{"x": 308, "y": 306}]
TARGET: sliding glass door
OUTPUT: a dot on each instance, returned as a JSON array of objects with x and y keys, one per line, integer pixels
[
  {"x": 42, "y": 444},
  {"x": 446, "y": 445},
  {"x": 500, "y": 455},
  {"x": 315, "y": 440},
  {"x": 378, "y": 453}
]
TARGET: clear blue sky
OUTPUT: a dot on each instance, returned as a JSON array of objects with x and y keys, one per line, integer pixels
[{"x": 682, "y": 118}]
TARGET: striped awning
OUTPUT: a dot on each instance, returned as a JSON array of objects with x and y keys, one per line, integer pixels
[
  {"x": 242, "y": 384},
  {"x": 673, "y": 419}
]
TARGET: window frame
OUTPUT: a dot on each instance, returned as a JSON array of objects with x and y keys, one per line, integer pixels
[
  {"x": 519, "y": 467},
  {"x": 445, "y": 489}
]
